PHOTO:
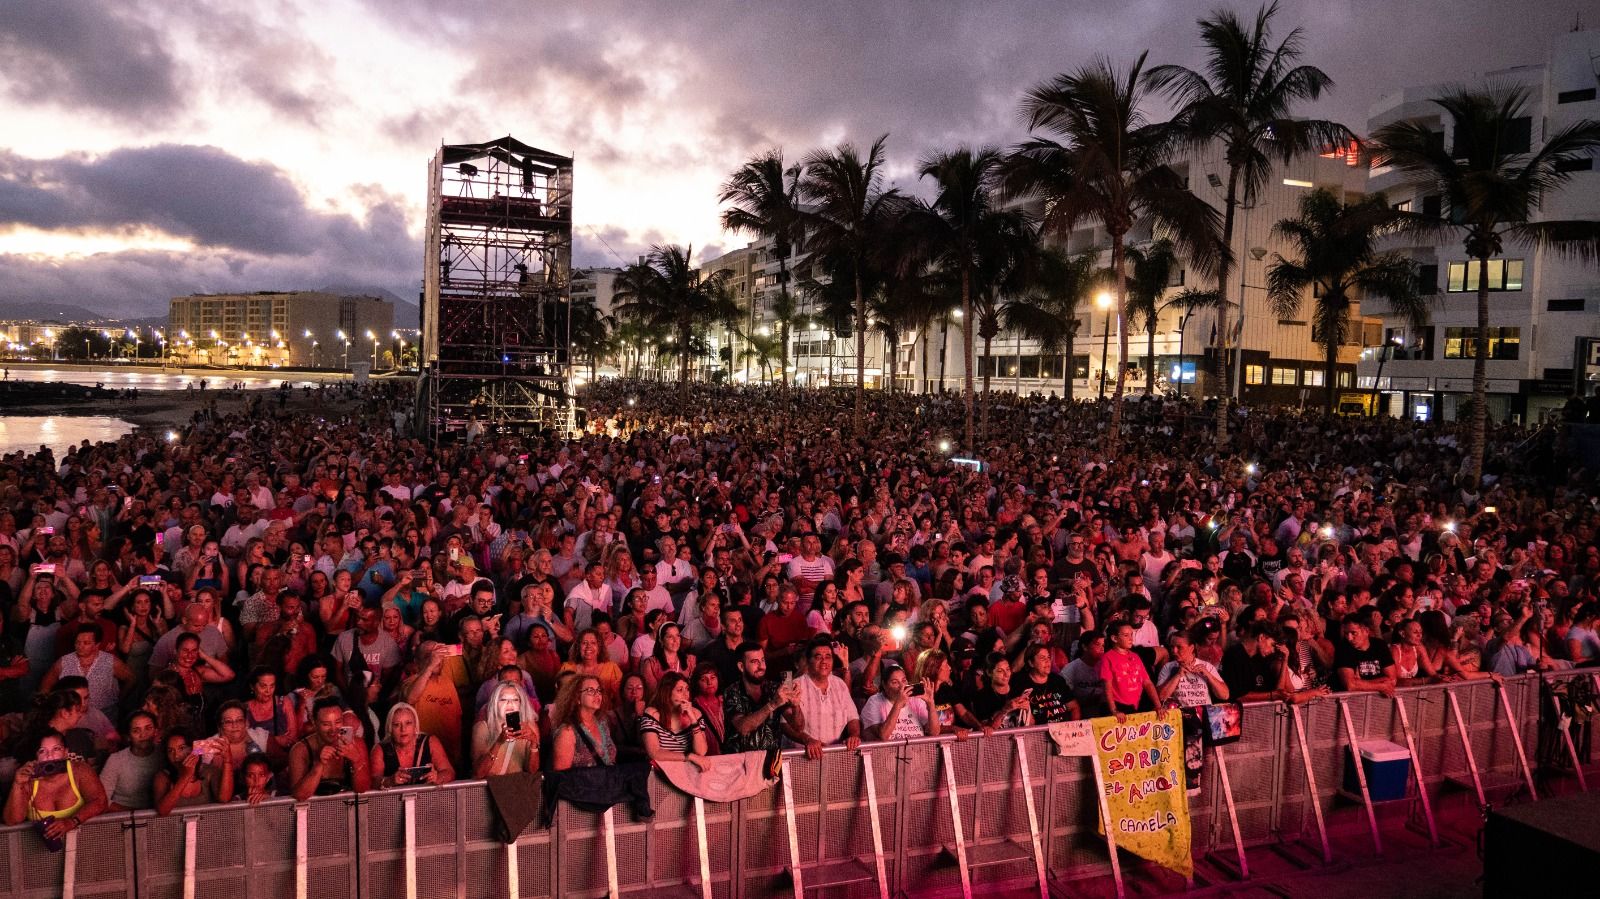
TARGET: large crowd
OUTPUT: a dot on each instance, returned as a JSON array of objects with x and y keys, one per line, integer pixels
[{"x": 275, "y": 602}]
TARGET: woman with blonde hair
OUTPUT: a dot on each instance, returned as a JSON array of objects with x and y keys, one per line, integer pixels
[
  {"x": 507, "y": 739},
  {"x": 405, "y": 751}
]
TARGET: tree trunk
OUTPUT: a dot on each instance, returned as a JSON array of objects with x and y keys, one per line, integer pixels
[
  {"x": 1480, "y": 379},
  {"x": 966, "y": 348},
  {"x": 783, "y": 355},
  {"x": 1230, "y": 207},
  {"x": 783, "y": 326},
  {"x": 1330, "y": 365},
  {"x": 944, "y": 345},
  {"x": 861, "y": 353},
  {"x": 1069, "y": 346},
  {"x": 683, "y": 364},
  {"x": 983, "y": 429},
  {"x": 1115, "y": 432},
  {"x": 1150, "y": 356}
]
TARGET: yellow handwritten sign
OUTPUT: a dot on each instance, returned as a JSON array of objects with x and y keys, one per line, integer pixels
[{"x": 1141, "y": 761}]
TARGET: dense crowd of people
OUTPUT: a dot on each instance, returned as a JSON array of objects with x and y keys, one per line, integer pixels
[{"x": 277, "y": 602}]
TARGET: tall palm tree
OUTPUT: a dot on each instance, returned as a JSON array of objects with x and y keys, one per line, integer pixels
[
  {"x": 1006, "y": 267},
  {"x": 591, "y": 331},
  {"x": 667, "y": 293},
  {"x": 962, "y": 225},
  {"x": 1150, "y": 273},
  {"x": 765, "y": 198},
  {"x": 1047, "y": 312},
  {"x": 1245, "y": 98},
  {"x": 1105, "y": 161},
  {"x": 1339, "y": 264},
  {"x": 1492, "y": 188},
  {"x": 848, "y": 212}
]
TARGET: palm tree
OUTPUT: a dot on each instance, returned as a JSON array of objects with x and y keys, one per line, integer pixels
[
  {"x": 1047, "y": 312},
  {"x": 591, "y": 331},
  {"x": 765, "y": 198},
  {"x": 1492, "y": 187},
  {"x": 848, "y": 213},
  {"x": 1245, "y": 98},
  {"x": 761, "y": 349},
  {"x": 1006, "y": 267},
  {"x": 666, "y": 293},
  {"x": 960, "y": 229},
  {"x": 1151, "y": 272},
  {"x": 1339, "y": 264},
  {"x": 1106, "y": 162}
]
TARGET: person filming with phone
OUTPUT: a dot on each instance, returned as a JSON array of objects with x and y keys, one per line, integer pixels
[
  {"x": 330, "y": 759},
  {"x": 56, "y": 790}
]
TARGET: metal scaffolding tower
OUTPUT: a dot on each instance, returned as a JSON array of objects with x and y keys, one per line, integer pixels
[{"x": 497, "y": 260}]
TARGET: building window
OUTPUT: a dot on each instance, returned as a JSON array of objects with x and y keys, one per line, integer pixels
[
  {"x": 1581, "y": 95},
  {"x": 1504, "y": 274},
  {"x": 1344, "y": 379},
  {"x": 1568, "y": 305},
  {"x": 1315, "y": 377},
  {"x": 1253, "y": 374},
  {"x": 1283, "y": 376},
  {"x": 1462, "y": 343},
  {"x": 1080, "y": 368}
]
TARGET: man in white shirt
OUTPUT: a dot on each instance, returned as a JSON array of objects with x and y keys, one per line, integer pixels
[
  {"x": 655, "y": 595},
  {"x": 588, "y": 596},
  {"x": 824, "y": 702},
  {"x": 1154, "y": 560},
  {"x": 675, "y": 575},
  {"x": 810, "y": 568},
  {"x": 247, "y": 528}
]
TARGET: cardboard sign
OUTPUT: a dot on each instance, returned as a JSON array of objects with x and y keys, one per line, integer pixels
[{"x": 1147, "y": 810}]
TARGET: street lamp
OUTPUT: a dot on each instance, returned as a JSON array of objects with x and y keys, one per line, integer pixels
[
  {"x": 346, "y": 340},
  {"x": 1104, "y": 302}
]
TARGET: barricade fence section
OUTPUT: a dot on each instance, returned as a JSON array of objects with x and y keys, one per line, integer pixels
[{"x": 917, "y": 815}]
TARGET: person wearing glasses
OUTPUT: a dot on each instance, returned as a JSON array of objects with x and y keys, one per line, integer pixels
[{"x": 581, "y": 738}]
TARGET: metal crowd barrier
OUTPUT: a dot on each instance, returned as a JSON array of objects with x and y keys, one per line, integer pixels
[{"x": 925, "y": 814}]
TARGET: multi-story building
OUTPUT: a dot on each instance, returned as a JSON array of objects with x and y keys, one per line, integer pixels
[
  {"x": 595, "y": 285},
  {"x": 1272, "y": 360},
  {"x": 289, "y": 328},
  {"x": 1542, "y": 305}
]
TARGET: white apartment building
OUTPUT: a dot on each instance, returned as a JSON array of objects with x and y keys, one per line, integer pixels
[
  {"x": 595, "y": 285},
  {"x": 1543, "y": 308}
]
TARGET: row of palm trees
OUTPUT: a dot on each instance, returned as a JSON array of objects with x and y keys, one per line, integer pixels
[{"x": 896, "y": 264}]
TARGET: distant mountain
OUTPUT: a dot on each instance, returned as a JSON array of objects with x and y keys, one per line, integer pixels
[
  {"x": 31, "y": 310},
  {"x": 406, "y": 314}
]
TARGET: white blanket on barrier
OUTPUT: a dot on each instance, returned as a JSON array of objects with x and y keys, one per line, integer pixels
[{"x": 726, "y": 778}]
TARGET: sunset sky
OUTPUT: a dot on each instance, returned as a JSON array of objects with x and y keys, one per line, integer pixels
[{"x": 151, "y": 149}]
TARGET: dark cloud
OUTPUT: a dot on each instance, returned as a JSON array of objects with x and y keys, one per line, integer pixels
[
  {"x": 797, "y": 74},
  {"x": 201, "y": 193},
  {"x": 252, "y": 226},
  {"x": 84, "y": 55}
]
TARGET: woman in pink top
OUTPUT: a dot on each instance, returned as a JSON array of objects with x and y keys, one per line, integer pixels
[{"x": 1128, "y": 685}]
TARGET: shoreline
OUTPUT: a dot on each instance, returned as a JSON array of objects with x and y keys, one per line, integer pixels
[{"x": 168, "y": 409}]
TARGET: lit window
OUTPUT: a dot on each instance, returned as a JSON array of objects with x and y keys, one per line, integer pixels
[
  {"x": 1314, "y": 377},
  {"x": 1504, "y": 274},
  {"x": 1253, "y": 374},
  {"x": 1284, "y": 377},
  {"x": 1462, "y": 343}
]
